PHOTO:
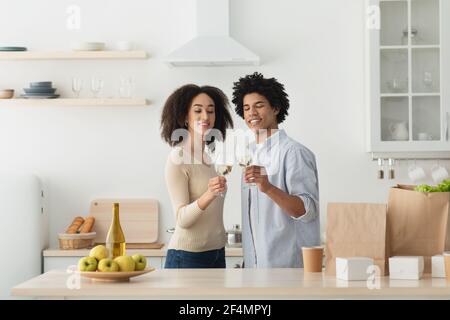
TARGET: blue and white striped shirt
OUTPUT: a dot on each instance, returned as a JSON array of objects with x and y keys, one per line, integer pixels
[{"x": 272, "y": 238}]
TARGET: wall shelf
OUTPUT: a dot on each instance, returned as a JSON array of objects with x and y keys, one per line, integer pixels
[
  {"x": 73, "y": 55},
  {"x": 62, "y": 102}
]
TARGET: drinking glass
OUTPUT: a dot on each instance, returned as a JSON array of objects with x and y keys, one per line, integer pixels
[
  {"x": 246, "y": 159},
  {"x": 77, "y": 86},
  {"x": 218, "y": 158},
  {"x": 126, "y": 87},
  {"x": 96, "y": 86},
  {"x": 222, "y": 169},
  {"x": 428, "y": 79}
]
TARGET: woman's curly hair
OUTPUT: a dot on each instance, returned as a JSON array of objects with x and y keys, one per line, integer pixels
[
  {"x": 269, "y": 88},
  {"x": 177, "y": 107}
]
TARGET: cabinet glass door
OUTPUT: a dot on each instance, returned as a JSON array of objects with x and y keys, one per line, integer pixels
[
  {"x": 426, "y": 70},
  {"x": 425, "y": 22},
  {"x": 410, "y": 72},
  {"x": 394, "y": 119},
  {"x": 394, "y": 71},
  {"x": 394, "y": 21}
]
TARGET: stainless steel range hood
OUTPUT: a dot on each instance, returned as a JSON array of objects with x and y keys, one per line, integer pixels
[{"x": 212, "y": 45}]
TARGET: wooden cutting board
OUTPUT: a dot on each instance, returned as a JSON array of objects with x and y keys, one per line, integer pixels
[{"x": 138, "y": 218}]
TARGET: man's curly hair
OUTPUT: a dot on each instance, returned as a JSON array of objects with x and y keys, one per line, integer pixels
[{"x": 269, "y": 88}]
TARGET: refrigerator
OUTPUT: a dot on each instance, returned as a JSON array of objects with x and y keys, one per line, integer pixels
[{"x": 23, "y": 229}]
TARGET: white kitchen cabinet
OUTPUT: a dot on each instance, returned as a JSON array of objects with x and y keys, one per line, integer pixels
[{"x": 408, "y": 75}]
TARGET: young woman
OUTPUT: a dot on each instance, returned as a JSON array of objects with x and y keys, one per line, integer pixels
[{"x": 190, "y": 114}]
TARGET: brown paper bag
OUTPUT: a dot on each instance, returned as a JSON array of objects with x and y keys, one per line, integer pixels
[
  {"x": 417, "y": 223},
  {"x": 355, "y": 230}
]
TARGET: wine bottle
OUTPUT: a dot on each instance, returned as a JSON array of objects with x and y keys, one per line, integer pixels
[{"x": 115, "y": 240}]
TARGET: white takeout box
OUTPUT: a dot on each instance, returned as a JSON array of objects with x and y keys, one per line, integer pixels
[
  {"x": 437, "y": 266},
  {"x": 353, "y": 268},
  {"x": 406, "y": 267}
]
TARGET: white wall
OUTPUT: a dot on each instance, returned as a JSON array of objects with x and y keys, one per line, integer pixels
[{"x": 314, "y": 47}]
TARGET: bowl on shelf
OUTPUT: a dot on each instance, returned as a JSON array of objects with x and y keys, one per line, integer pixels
[
  {"x": 40, "y": 90},
  {"x": 13, "y": 49},
  {"x": 6, "y": 93},
  {"x": 46, "y": 90},
  {"x": 88, "y": 46},
  {"x": 124, "y": 45},
  {"x": 40, "y": 84},
  {"x": 69, "y": 241}
]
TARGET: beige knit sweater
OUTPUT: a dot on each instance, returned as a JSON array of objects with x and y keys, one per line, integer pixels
[{"x": 196, "y": 230}]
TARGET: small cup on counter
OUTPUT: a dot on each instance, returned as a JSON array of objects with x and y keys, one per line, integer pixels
[{"x": 312, "y": 259}]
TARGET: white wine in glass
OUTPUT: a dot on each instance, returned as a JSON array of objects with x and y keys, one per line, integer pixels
[
  {"x": 223, "y": 170},
  {"x": 246, "y": 161}
]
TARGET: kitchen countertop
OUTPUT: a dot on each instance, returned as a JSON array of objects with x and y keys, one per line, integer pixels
[
  {"x": 229, "y": 252},
  {"x": 231, "y": 284}
]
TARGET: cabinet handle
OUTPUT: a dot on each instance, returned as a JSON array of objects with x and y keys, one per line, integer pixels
[{"x": 446, "y": 126}]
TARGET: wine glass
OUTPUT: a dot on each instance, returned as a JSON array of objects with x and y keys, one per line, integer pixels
[
  {"x": 126, "y": 87},
  {"x": 246, "y": 159},
  {"x": 77, "y": 86},
  {"x": 222, "y": 170},
  {"x": 218, "y": 158},
  {"x": 428, "y": 79},
  {"x": 96, "y": 86}
]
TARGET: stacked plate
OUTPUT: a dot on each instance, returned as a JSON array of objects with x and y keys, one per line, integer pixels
[
  {"x": 88, "y": 46},
  {"x": 40, "y": 90},
  {"x": 13, "y": 49}
]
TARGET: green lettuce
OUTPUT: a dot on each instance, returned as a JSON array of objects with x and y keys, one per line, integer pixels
[{"x": 444, "y": 186}]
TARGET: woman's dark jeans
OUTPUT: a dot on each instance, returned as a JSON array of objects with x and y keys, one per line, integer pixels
[{"x": 178, "y": 259}]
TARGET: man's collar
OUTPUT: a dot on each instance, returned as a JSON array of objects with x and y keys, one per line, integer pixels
[{"x": 272, "y": 140}]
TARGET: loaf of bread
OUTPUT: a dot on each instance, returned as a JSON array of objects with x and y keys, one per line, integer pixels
[
  {"x": 87, "y": 225},
  {"x": 76, "y": 224}
]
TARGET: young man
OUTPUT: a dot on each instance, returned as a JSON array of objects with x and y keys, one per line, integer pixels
[{"x": 280, "y": 214}]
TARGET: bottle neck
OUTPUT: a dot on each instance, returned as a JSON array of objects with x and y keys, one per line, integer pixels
[{"x": 115, "y": 217}]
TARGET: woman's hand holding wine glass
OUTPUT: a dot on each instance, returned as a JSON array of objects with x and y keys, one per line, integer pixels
[{"x": 217, "y": 186}]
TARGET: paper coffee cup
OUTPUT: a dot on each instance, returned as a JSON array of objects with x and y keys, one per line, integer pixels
[{"x": 312, "y": 259}]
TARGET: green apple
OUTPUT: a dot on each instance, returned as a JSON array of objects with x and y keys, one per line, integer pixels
[
  {"x": 108, "y": 265},
  {"x": 141, "y": 262},
  {"x": 126, "y": 263},
  {"x": 99, "y": 252},
  {"x": 87, "y": 264}
]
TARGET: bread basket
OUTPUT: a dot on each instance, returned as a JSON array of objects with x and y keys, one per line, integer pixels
[{"x": 68, "y": 241}]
